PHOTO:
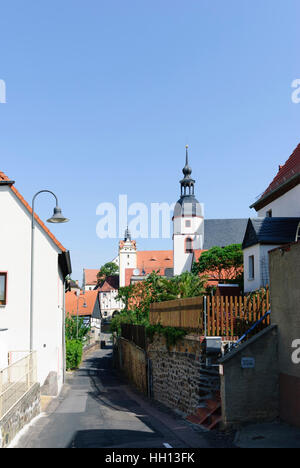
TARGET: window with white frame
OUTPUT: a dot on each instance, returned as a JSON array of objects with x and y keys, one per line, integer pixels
[{"x": 251, "y": 267}]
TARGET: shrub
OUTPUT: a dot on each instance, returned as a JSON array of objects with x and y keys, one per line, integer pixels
[{"x": 74, "y": 349}]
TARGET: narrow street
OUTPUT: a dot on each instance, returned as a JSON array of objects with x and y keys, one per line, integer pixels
[{"x": 98, "y": 409}]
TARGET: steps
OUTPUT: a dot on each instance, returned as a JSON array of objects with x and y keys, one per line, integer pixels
[{"x": 208, "y": 416}]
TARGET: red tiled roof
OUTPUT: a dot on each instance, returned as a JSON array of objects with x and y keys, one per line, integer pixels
[
  {"x": 4, "y": 177},
  {"x": 154, "y": 260},
  {"x": 91, "y": 276},
  {"x": 89, "y": 298},
  {"x": 286, "y": 172}
]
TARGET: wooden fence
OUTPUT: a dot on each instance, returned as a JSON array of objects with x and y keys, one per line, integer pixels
[
  {"x": 134, "y": 333},
  {"x": 226, "y": 316},
  {"x": 181, "y": 313},
  {"x": 233, "y": 316}
]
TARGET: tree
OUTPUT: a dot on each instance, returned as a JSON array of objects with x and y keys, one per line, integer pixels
[
  {"x": 221, "y": 263},
  {"x": 138, "y": 297},
  {"x": 109, "y": 269}
]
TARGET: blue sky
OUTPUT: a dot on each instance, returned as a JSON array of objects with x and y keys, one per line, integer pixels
[{"x": 102, "y": 97}]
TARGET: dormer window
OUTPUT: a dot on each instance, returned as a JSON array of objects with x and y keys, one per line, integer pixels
[
  {"x": 189, "y": 245},
  {"x": 3, "y": 288}
]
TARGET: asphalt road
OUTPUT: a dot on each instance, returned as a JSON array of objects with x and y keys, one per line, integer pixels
[{"x": 98, "y": 409}]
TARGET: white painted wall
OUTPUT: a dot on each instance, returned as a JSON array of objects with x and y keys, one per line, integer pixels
[
  {"x": 127, "y": 259},
  {"x": 288, "y": 205},
  {"x": 261, "y": 266},
  {"x": 109, "y": 303},
  {"x": 15, "y": 238},
  {"x": 183, "y": 260}
]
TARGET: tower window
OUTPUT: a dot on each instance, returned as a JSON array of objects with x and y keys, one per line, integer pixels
[
  {"x": 189, "y": 245},
  {"x": 188, "y": 223}
]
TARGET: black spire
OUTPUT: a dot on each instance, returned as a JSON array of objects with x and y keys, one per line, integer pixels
[
  {"x": 127, "y": 235},
  {"x": 187, "y": 183}
]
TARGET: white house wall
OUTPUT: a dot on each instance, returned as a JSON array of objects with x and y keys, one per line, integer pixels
[
  {"x": 261, "y": 267},
  {"x": 109, "y": 304},
  {"x": 15, "y": 242},
  {"x": 286, "y": 206}
]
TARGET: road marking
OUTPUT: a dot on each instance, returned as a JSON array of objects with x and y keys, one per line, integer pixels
[{"x": 168, "y": 445}]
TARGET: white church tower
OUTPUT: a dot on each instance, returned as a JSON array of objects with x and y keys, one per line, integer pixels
[
  {"x": 127, "y": 256},
  {"x": 188, "y": 223}
]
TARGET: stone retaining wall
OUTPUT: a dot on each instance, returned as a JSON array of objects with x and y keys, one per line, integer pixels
[
  {"x": 20, "y": 415},
  {"x": 177, "y": 373}
]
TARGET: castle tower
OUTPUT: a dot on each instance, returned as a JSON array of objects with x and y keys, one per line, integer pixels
[
  {"x": 188, "y": 223},
  {"x": 127, "y": 256}
]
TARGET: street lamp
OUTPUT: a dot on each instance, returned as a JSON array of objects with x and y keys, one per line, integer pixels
[
  {"x": 84, "y": 306},
  {"x": 56, "y": 218}
]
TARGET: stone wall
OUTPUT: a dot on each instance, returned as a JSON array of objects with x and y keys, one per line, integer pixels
[
  {"x": 179, "y": 379},
  {"x": 20, "y": 415},
  {"x": 251, "y": 394},
  {"x": 132, "y": 360},
  {"x": 285, "y": 306}
]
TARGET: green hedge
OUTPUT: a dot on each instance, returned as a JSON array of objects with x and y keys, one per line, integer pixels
[{"x": 74, "y": 350}]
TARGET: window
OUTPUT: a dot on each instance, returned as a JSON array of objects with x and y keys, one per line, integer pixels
[
  {"x": 188, "y": 223},
  {"x": 188, "y": 245},
  {"x": 3, "y": 288},
  {"x": 269, "y": 214},
  {"x": 251, "y": 267}
]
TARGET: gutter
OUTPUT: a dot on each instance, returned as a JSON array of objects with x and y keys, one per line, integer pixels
[{"x": 7, "y": 182}]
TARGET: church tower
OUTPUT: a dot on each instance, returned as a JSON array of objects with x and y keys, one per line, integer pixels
[
  {"x": 188, "y": 223},
  {"x": 127, "y": 256}
]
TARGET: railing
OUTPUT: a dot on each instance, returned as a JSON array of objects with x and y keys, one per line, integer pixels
[
  {"x": 15, "y": 381},
  {"x": 134, "y": 333},
  {"x": 181, "y": 313},
  {"x": 229, "y": 317}
]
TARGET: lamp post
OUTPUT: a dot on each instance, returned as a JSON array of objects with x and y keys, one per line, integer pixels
[
  {"x": 56, "y": 218},
  {"x": 84, "y": 306}
]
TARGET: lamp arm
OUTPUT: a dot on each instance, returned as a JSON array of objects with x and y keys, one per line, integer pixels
[{"x": 33, "y": 202}]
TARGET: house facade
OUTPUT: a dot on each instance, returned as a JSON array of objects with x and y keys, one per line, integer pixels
[
  {"x": 108, "y": 293},
  {"x": 278, "y": 211},
  {"x": 52, "y": 265},
  {"x": 86, "y": 306}
]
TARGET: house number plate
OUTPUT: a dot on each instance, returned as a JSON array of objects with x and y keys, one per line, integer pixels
[{"x": 248, "y": 363}]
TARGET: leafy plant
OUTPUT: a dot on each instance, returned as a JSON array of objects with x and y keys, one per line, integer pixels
[
  {"x": 71, "y": 329},
  {"x": 74, "y": 349},
  {"x": 172, "y": 334},
  {"x": 221, "y": 263}
]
